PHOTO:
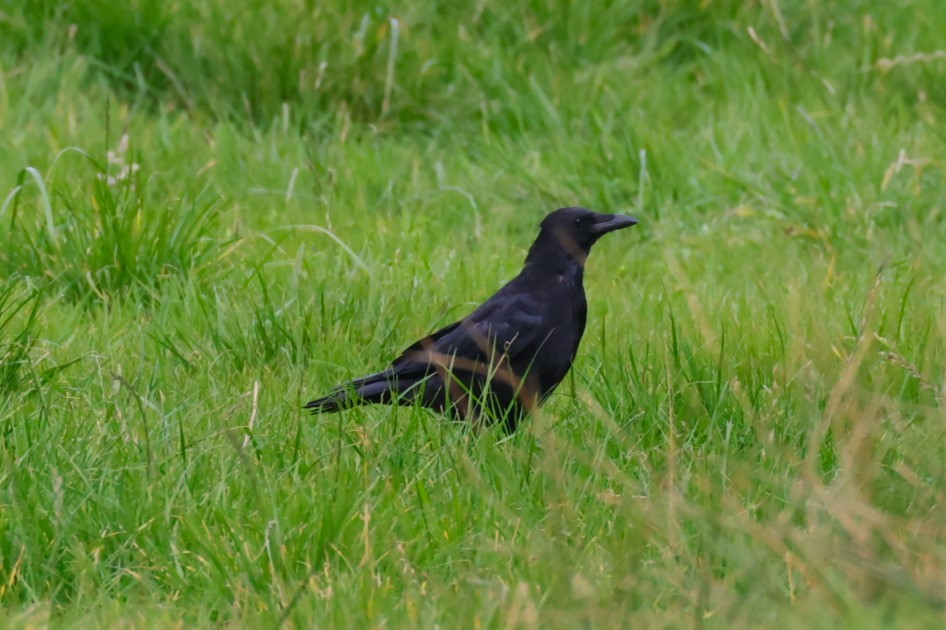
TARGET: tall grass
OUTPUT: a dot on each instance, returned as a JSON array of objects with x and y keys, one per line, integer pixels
[
  {"x": 18, "y": 312},
  {"x": 100, "y": 238},
  {"x": 270, "y": 200}
]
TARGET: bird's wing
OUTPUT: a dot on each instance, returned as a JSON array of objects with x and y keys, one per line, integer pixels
[
  {"x": 415, "y": 360},
  {"x": 431, "y": 339},
  {"x": 511, "y": 322}
]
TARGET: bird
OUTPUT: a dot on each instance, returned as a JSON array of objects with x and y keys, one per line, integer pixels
[{"x": 506, "y": 357}]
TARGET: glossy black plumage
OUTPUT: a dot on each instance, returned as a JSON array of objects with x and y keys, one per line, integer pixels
[{"x": 509, "y": 354}]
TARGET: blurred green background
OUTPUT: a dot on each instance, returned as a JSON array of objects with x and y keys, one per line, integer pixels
[{"x": 214, "y": 211}]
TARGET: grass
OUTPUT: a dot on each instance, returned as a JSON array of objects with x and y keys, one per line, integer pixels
[{"x": 212, "y": 216}]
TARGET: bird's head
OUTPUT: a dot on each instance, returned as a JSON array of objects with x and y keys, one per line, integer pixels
[{"x": 575, "y": 230}]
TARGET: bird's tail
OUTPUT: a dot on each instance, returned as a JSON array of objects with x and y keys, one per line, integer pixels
[
  {"x": 331, "y": 403},
  {"x": 374, "y": 388}
]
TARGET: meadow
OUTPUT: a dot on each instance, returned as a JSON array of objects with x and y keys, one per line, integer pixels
[{"x": 214, "y": 211}]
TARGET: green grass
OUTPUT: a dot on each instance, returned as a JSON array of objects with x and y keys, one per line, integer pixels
[{"x": 211, "y": 215}]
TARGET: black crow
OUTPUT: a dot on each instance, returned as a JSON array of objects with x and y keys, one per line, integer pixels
[{"x": 509, "y": 354}]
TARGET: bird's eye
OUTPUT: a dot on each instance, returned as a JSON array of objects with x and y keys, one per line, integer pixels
[{"x": 579, "y": 220}]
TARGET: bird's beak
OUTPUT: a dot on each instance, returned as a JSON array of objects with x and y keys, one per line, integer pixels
[{"x": 611, "y": 222}]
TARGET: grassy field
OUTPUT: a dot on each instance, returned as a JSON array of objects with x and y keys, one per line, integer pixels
[{"x": 214, "y": 211}]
